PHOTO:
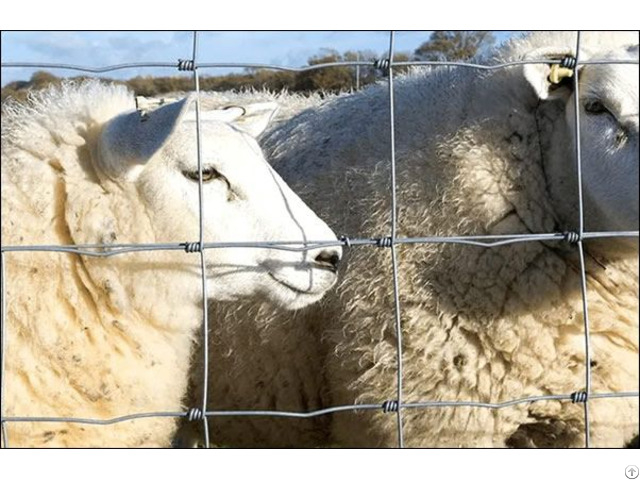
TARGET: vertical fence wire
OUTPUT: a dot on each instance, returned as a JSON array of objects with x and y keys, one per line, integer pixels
[
  {"x": 3, "y": 346},
  {"x": 587, "y": 358},
  {"x": 396, "y": 406},
  {"x": 203, "y": 265},
  {"x": 394, "y": 260},
  {"x": 577, "y": 144},
  {"x": 583, "y": 275},
  {"x": 357, "y": 71}
]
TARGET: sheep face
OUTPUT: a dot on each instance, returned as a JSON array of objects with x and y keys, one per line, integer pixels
[
  {"x": 608, "y": 109},
  {"x": 243, "y": 200},
  {"x": 609, "y": 141}
]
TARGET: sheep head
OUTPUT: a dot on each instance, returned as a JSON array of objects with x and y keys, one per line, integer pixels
[
  {"x": 146, "y": 190},
  {"x": 608, "y": 113}
]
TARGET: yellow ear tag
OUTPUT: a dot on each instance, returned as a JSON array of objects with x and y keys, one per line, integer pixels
[{"x": 558, "y": 73}]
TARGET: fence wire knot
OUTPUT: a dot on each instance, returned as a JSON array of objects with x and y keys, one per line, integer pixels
[
  {"x": 569, "y": 61},
  {"x": 561, "y": 69},
  {"x": 186, "y": 65},
  {"x": 194, "y": 414},
  {"x": 384, "y": 242},
  {"x": 579, "y": 397},
  {"x": 192, "y": 247},
  {"x": 382, "y": 64},
  {"x": 390, "y": 406},
  {"x": 571, "y": 237}
]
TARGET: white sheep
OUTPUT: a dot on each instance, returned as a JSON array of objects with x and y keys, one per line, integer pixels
[
  {"x": 289, "y": 103},
  {"x": 99, "y": 338},
  {"x": 478, "y": 153}
]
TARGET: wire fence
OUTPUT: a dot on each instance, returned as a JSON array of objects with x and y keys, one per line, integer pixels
[{"x": 396, "y": 405}]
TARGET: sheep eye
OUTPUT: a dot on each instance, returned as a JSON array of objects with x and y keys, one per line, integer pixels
[
  {"x": 595, "y": 107},
  {"x": 208, "y": 174}
]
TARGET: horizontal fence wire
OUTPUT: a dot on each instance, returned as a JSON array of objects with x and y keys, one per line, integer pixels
[
  {"x": 308, "y": 68},
  {"x": 486, "y": 241},
  {"x": 571, "y": 397},
  {"x": 482, "y": 241}
]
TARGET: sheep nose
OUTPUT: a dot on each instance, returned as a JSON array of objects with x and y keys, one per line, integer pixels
[{"x": 328, "y": 259}]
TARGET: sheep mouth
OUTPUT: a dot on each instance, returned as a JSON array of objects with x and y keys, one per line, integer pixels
[{"x": 312, "y": 291}]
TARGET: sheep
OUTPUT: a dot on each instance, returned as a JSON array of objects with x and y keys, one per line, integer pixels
[
  {"x": 477, "y": 153},
  {"x": 289, "y": 103},
  {"x": 99, "y": 338}
]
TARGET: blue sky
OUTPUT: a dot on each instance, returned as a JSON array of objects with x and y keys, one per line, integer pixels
[{"x": 289, "y": 48}]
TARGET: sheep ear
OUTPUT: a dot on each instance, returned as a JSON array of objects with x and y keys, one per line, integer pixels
[
  {"x": 549, "y": 81},
  {"x": 227, "y": 114},
  {"x": 128, "y": 141},
  {"x": 256, "y": 117},
  {"x": 252, "y": 118}
]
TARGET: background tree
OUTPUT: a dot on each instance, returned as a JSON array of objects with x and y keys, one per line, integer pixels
[
  {"x": 331, "y": 79},
  {"x": 341, "y": 79},
  {"x": 454, "y": 45}
]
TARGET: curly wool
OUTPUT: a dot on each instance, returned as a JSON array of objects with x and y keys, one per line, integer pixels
[
  {"x": 483, "y": 325},
  {"x": 93, "y": 357},
  {"x": 98, "y": 338}
]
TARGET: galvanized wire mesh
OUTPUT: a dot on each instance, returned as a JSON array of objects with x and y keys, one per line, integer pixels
[{"x": 395, "y": 405}]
